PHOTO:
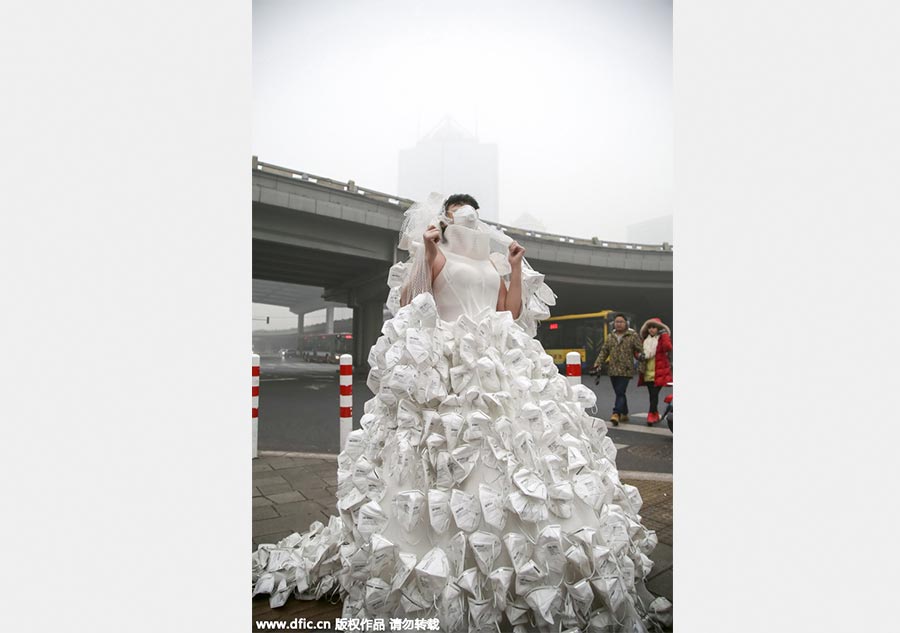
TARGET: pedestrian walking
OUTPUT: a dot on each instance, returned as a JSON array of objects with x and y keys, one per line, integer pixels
[
  {"x": 617, "y": 356},
  {"x": 655, "y": 369}
]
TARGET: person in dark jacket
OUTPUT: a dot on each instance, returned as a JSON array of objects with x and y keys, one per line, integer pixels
[
  {"x": 655, "y": 369},
  {"x": 617, "y": 355}
]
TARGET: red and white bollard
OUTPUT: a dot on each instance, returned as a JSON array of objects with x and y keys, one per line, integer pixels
[
  {"x": 254, "y": 416},
  {"x": 573, "y": 368},
  {"x": 346, "y": 397}
]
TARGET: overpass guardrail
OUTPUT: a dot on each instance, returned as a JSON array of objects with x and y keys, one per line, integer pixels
[{"x": 402, "y": 204}]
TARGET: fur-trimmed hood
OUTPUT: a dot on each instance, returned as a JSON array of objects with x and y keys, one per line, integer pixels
[{"x": 657, "y": 321}]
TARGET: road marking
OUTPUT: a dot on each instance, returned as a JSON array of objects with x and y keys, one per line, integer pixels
[
  {"x": 634, "y": 428},
  {"x": 644, "y": 475}
]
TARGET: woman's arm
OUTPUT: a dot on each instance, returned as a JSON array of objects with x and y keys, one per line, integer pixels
[
  {"x": 434, "y": 258},
  {"x": 514, "y": 294},
  {"x": 665, "y": 343}
]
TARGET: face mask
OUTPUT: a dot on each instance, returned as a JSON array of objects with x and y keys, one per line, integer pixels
[
  {"x": 549, "y": 549},
  {"x": 386, "y": 394},
  {"x": 465, "y": 509},
  {"x": 265, "y": 584},
  {"x": 373, "y": 382},
  {"x": 357, "y": 561},
  {"x": 476, "y": 423},
  {"x": 371, "y": 519},
  {"x": 530, "y": 484},
  {"x": 462, "y": 461},
  {"x": 649, "y": 543},
  {"x": 517, "y": 613},
  {"x": 435, "y": 441},
  {"x": 492, "y": 506},
  {"x": 469, "y": 581},
  {"x": 409, "y": 507},
  {"x": 383, "y": 553},
  {"x": 487, "y": 374},
  {"x": 560, "y": 494},
  {"x": 456, "y": 553},
  {"x": 610, "y": 591},
  {"x": 523, "y": 446},
  {"x": 468, "y": 350},
  {"x": 418, "y": 344},
  {"x": 501, "y": 579},
  {"x": 466, "y": 216},
  {"x": 353, "y": 499},
  {"x": 444, "y": 478},
  {"x": 424, "y": 309},
  {"x": 538, "y": 385},
  {"x": 531, "y": 413},
  {"x": 452, "y": 424},
  {"x": 578, "y": 559},
  {"x": 589, "y": 489},
  {"x": 585, "y": 398},
  {"x": 402, "y": 379},
  {"x": 628, "y": 569},
  {"x": 407, "y": 415},
  {"x": 602, "y": 621},
  {"x": 486, "y": 548},
  {"x": 439, "y": 510},
  {"x": 575, "y": 458},
  {"x": 281, "y": 594},
  {"x": 544, "y": 601},
  {"x": 412, "y": 600},
  {"x": 528, "y": 577},
  {"x": 518, "y": 548},
  {"x": 482, "y": 614},
  {"x": 404, "y": 567},
  {"x": 356, "y": 441},
  {"x": 528, "y": 509},
  {"x": 430, "y": 386},
  {"x": 433, "y": 571},
  {"x": 453, "y": 612},
  {"x": 660, "y": 611},
  {"x": 377, "y": 592}
]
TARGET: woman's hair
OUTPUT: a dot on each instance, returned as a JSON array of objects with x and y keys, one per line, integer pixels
[{"x": 460, "y": 198}]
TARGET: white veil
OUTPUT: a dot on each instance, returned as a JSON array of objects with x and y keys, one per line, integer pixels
[{"x": 412, "y": 277}]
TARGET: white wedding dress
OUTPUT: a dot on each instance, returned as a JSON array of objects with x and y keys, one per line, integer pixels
[{"x": 478, "y": 491}]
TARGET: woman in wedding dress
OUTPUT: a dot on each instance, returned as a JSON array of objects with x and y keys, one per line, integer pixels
[{"x": 478, "y": 491}]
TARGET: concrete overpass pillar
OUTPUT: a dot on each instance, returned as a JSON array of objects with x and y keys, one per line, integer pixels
[
  {"x": 368, "y": 318},
  {"x": 329, "y": 320},
  {"x": 300, "y": 330}
]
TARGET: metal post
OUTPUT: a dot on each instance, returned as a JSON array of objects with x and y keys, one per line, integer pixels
[
  {"x": 346, "y": 398},
  {"x": 573, "y": 368},
  {"x": 254, "y": 416}
]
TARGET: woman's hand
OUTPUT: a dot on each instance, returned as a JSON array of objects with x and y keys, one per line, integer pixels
[
  {"x": 432, "y": 235},
  {"x": 515, "y": 255}
]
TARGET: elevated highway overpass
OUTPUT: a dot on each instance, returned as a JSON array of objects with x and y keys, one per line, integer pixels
[{"x": 339, "y": 240}]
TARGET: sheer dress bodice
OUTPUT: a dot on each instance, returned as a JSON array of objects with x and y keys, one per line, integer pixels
[{"x": 468, "y": 283}]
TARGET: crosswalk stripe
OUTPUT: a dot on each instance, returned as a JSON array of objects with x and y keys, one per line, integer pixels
[{"x": 631, "y": 427}]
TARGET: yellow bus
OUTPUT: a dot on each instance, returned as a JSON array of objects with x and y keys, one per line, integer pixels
[{"x": 582, "y": 333}]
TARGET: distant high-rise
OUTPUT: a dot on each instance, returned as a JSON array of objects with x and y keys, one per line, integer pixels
[
  {"x": 449, "y": 159},
  {"x": 652, "y": 231}
]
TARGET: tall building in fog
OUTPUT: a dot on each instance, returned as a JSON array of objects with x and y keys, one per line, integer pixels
[{"x": 449, "y": 159}]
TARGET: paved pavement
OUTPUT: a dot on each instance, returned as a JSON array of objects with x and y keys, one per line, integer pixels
[
  {"x": 291, "y": 490},
  {"x": 298, "y": 411}
]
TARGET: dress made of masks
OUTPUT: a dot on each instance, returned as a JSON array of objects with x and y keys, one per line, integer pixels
[{"x": 478, "y": 491}]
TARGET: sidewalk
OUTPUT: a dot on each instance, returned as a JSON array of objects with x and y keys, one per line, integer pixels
[{"x": 291, "y": 490}]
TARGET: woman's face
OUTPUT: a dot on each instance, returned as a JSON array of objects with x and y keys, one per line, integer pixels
[
  {"x": 452, "y": 208},
  {"x": 653, "y": 329}
]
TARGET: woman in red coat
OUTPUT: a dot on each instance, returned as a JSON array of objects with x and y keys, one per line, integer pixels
[{"x": 655, "y": 370}]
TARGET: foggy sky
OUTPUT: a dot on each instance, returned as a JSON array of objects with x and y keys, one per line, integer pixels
[{"x": 576, "y": 94}]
